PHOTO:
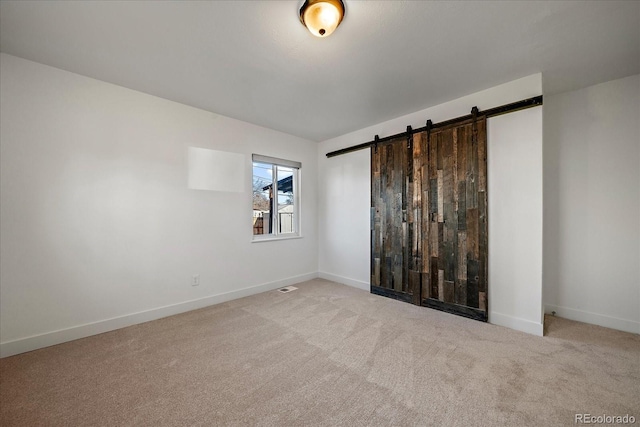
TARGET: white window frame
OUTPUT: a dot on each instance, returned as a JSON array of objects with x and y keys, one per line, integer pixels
[{"x": 296, "y": 166}]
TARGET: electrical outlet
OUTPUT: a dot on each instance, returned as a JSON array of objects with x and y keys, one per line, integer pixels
[{"x": 195, "y": 280}]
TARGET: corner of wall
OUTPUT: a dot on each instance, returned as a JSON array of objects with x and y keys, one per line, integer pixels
[
  {"x": 345, "y": 281},
  {"x": 519, "y": 324},
  {"x": 594, "y": 318}
]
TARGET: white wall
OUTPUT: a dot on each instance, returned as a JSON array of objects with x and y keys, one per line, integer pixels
[
  {"x": 344, "y": 200},
  {"x": 592, "y": 204},
  {"x": 98, "y": 227},
  {"x": 514, "y": 182}
]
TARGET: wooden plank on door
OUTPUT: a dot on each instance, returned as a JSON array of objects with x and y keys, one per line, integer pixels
[
  {"x": 482, "y": 240},
  {"x": 473, "y": 271},
  {"x": 462, "y": 205},
  {"x": 415, "y": 280},
  {"x": 472, "y": 171},
  {"x": 449, "y": 291},
  {"x": 440, "y": 195},
  {"x": 461, "y": 279},
  {"x": 472, "y": 234},
  {"x": 463, "y": 141},
  {"x": 482, "y": 155},
  {"x": 433, "y": 278},
  {"x": 398, "y": 198}
]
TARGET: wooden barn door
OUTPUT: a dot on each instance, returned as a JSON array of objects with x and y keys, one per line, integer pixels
[
  {"x": 454, "y": 180},
  {"x": 429, "y": 219},
  {"x": 393, "y": 272}
]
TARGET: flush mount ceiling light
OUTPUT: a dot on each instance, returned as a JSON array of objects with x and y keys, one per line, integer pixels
[{"x": 322, "y": 17}]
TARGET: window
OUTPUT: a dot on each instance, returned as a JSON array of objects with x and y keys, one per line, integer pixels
[{"x": 276, "y": 191}]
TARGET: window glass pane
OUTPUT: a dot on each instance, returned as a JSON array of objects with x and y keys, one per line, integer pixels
[
  {"x": 275, "y": 197},
  {"x": 286, "y": 206},
  {"x": 262, "y": 189}
]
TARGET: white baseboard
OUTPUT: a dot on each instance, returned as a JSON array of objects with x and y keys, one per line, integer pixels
[
  {"x": 516, "y": 323},
  {"x": 594, "y": 318},
  {"x": 345, "y": 280},
  {"x": 35, "y": 342}
]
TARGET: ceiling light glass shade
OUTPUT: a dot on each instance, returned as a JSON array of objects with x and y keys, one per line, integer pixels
[{"x": 322, "y": 17}]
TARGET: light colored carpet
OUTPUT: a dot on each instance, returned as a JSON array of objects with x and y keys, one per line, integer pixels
[{"x": 326, "y": 354}]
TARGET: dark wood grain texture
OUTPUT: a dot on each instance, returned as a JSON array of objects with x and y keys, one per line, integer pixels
[
  {"x": 394, "y": 264},
  {"x": 429, "y": 218}
]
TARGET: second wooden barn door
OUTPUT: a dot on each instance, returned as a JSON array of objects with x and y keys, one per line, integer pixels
[
  {"x": 453, "y": 176},
  {"x": 429, "y": 215}
]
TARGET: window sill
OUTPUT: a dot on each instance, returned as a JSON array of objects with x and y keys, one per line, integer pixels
[{"x": 274, "y": 239}]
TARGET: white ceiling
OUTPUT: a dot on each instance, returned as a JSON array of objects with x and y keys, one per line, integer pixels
[{"x": 254, "y": 61}]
